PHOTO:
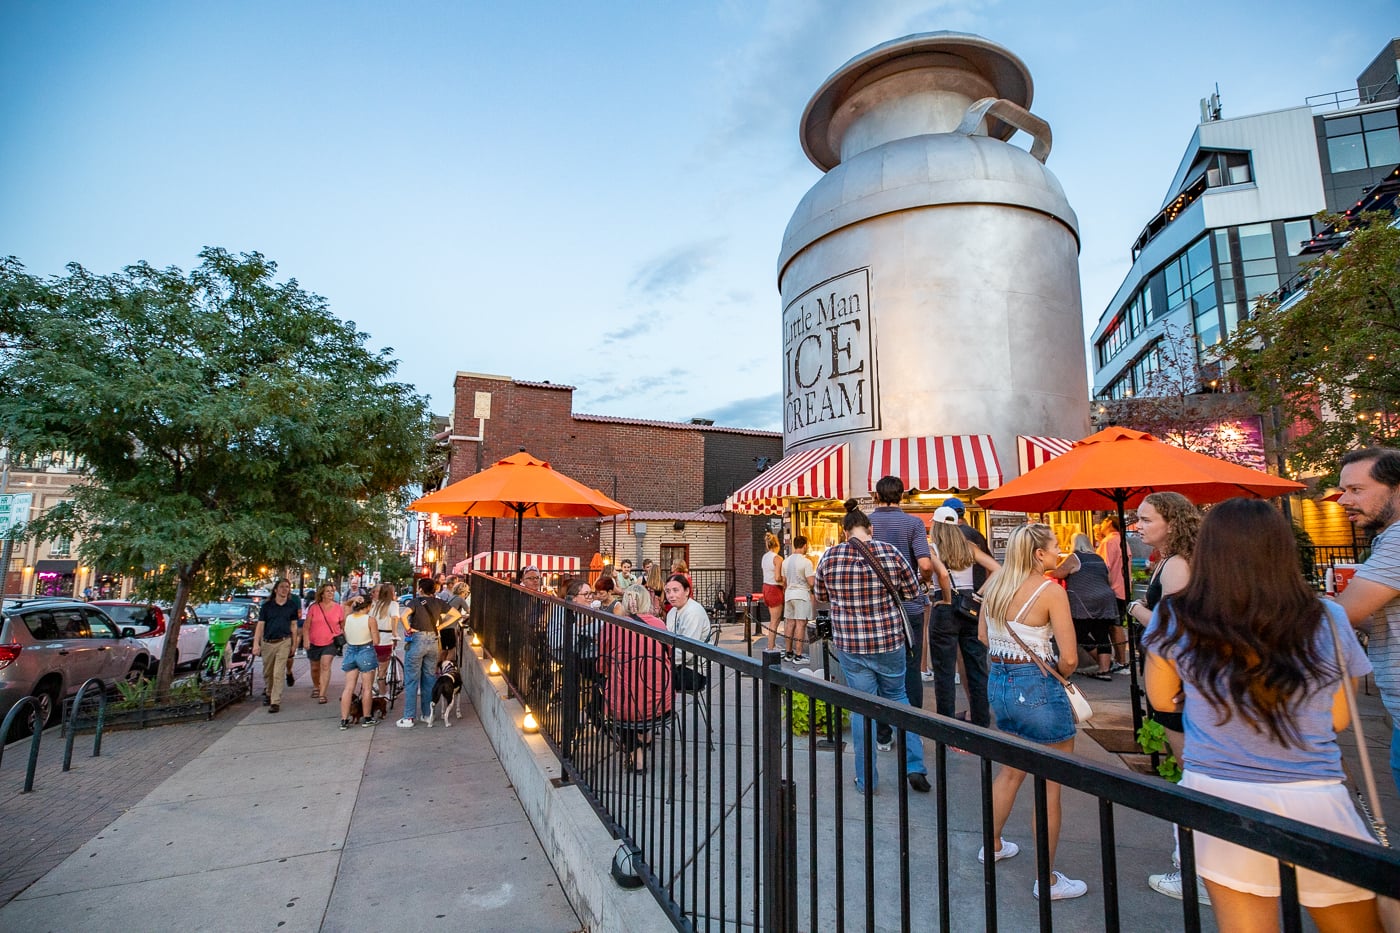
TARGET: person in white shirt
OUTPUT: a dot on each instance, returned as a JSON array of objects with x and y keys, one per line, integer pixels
[
  {"x": 797, "y": 598},
  {"x": 686, "y": 618}
]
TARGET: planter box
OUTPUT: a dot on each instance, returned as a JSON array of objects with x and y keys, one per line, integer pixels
[{"x": 221, "y": 697}]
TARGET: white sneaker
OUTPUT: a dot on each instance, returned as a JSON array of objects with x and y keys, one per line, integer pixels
[
  {"x": 1062, "y": 888},
  {"x": 1008, "y": 850},
  {"x": 1170, "y": 885},
  {"x": 404, "y": 723},
  {"x": 926, "y": 675},
  {"x": 884, "y": 746}
]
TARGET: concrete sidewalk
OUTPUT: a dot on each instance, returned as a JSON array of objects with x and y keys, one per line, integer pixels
[{"x": 287, "y": 823}]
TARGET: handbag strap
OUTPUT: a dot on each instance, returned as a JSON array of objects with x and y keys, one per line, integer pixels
[
  {"x": 865, "y": 551},
  {"x": 1364, "y": 752},
  {"x": 1035, "y": 658}
]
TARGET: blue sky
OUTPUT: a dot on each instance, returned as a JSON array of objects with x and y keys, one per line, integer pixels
[{"x": 588, "y": 193}]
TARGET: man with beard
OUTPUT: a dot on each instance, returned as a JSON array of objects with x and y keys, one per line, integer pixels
[{"x": 1370, "y": 484}]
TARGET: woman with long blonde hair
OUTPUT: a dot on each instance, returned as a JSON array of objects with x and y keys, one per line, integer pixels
[
  {"x": 1023, "y": 611},
  {"x": 952, "y": 634},
  {"x": 384, "y": 612}
]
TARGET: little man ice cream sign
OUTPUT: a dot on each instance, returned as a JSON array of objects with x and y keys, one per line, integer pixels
[{"x": 829, "y": 384}]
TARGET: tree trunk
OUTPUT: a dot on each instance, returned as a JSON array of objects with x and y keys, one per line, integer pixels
[{"x": 170, "y": 649}]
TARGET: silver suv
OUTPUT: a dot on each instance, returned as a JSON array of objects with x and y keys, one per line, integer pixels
[{"x": 49, "y": 647}]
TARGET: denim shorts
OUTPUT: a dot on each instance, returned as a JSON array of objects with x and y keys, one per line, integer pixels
[
  {"x": 1028, "y": 704},
  {"x": 360, "y": 658}
]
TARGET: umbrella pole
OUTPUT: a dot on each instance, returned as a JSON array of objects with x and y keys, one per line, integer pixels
[
  {"x": 1135, "y": 687},
  {"x": 493, "y": 547},
  {"x": 519, "y": 526}
]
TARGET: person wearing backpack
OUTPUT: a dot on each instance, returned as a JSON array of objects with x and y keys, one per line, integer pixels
[{"x": 420, "y": 657}]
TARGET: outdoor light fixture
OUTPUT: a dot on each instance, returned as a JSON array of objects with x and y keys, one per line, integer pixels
[
  {"x": 495, "y": 669},
  {"x": 476, "y": 640},
  {"x": 529, "y": 724}
]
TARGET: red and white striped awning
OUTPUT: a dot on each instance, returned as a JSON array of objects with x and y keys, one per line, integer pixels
[
  {"x": 944, "y": 461},
  {"x": 505, "y": 560},
  {"x": 819, "y": 473},
  {"x": 1035, "y": 451}
]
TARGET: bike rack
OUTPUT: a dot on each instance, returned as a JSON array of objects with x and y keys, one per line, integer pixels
[
  {"x": 37, "y": 734},
  {"x": 71, "y": 727}
]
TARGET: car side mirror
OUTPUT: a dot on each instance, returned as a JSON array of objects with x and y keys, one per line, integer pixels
[{"x": 128, "y": 632}]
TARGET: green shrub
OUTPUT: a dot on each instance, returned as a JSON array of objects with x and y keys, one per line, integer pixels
[
  {"x": 1152, "y": 737},
  {"x": 802, "y": 715}
]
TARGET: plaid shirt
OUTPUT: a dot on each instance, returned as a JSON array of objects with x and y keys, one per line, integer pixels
[{"x": 864, "y": 619}]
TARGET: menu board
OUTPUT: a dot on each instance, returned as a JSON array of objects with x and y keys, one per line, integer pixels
[{"x": 999, "y": 528}]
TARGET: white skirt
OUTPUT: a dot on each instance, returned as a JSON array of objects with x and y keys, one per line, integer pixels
[{"x": 1325, "y": 804}]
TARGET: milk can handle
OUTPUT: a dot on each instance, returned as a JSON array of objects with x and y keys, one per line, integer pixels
[{"x": 1012, "y": 115}]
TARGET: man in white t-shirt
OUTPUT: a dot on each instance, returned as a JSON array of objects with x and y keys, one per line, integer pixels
[
  {"x": 1370, "y": 484},
  {"x": 799, "y": 574}
]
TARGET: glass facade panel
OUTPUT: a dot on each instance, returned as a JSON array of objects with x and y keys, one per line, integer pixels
[
  {"x": 1375, "y": 121},
  {"x": 1227, "y": 286},
  {"x": 1239, "y": 174},
  {"x": 1383, "y": 147},
  {"x": 1343, "y": 125},
  {"x": 1207, "y": 333},
  {"x": 1296, "y": 233},
  {"x": 1198, "y": 256},
  {"x": 1173, "y": 271},
  {"x": 1259, "y": 267},
  {"x": 1256, "y": 285},
  {"x": 1256, "y": 242},
  {"x": 1346, "y": 153}
]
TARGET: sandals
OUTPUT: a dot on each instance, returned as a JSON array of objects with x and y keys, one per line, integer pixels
[{"x": 320, "y": 699}]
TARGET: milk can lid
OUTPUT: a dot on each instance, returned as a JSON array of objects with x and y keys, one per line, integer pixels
[{"x": 999, "y": 65}]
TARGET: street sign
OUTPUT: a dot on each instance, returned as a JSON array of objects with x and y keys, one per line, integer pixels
[{"x": 14, "y": 511}]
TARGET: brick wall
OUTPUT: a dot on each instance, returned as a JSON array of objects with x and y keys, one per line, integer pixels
[{"x": 646, "y": 466}]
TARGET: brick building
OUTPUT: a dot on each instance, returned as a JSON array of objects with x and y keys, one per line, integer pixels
[{"x": 655, "y": 466}]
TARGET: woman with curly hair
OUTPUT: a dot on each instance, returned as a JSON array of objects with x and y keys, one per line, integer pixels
[
  {"x": 1255, "y": 652},
  {"x": 1168, "y": 523}
]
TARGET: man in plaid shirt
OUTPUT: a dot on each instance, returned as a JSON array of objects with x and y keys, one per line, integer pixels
[{"x": 869, "y": 634}]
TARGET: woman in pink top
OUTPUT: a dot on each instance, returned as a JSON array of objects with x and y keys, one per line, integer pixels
[
  {"x": 324, "y": 620},
  {"x": 638, "y": 669}
]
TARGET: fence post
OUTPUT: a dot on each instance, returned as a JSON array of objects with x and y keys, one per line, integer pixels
[
  {"x": 569, "y": 653},
  {"x": 777, "y": 865}
]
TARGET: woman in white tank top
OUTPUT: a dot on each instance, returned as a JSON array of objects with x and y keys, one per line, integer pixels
[{"x": 1027, "y": 702}]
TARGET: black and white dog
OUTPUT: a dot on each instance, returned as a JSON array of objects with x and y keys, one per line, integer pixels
[{"x": 447, "y": 691}]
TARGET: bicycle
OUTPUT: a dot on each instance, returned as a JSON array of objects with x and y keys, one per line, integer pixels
[
  {"x": 393, "y": 680},
  {"x": 223, "y": 660}
]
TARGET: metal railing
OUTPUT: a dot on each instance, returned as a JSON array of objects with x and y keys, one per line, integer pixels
[
  {"x": 1317, "y": 558},
  {"x": 71, "y": 725},
  {"x": 36, "y": 731},
  {"x": 740, "y": 822}
]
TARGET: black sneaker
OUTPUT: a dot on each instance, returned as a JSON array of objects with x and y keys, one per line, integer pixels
[
  {"x": 291, "y": 681},
  {"x": 344, "y": 724},
  {"x": 919, "y": 782},
  {"x": 266, "y": 699}
]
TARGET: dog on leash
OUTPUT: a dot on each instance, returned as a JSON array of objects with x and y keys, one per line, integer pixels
[
  {"x": 447, "y": 692},
  {"x": 378, "y": 708}
]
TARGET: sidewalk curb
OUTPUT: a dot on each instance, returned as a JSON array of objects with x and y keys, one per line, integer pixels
[{"x": 578, "y": 846}]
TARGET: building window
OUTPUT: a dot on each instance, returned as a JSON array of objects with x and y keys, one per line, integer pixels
[
  {"x": 60, "y": 547},
  {"x": 1228, "y": 168},
  {"x": 1113, "y": 340},
  {"x": 1370, "y": 140},
  {"x": 670, "y": 553},
  {"x": 1295, "y": 234},
  {"x": 1257, "y": 256}
]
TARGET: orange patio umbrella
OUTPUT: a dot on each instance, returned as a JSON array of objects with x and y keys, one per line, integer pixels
[
  {"x": 1115, "y": 469},
  {"x": 522, "y": 486}
]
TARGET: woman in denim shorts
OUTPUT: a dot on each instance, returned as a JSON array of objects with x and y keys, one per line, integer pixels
[
  {"x": 1026, "y": 702},
  {"x": 359, "y": 663}
]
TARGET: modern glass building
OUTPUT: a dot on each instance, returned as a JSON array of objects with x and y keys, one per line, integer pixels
[{"x": 1236, "y": 217}]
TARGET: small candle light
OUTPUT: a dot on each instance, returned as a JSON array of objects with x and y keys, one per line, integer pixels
[{"x": 495, "y": 669}]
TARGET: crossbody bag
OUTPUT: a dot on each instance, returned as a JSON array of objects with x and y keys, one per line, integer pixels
[
  {"x": 868, "y": 555},
  {"x": 1078, "y": 703}
]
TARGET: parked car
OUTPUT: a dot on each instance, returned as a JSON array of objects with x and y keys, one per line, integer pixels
[
  {"x": 149, "y": 622},
  {"x": 50, "y": 647},
  {"x": 226, "y": 612}
]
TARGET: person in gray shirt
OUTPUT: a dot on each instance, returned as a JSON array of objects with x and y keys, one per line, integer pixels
[{"x": 1370, "y": 484}]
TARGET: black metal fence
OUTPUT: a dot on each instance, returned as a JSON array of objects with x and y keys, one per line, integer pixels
[
  {"x": 1317, "y": 558},
  {"x": 690, "y": 753}
]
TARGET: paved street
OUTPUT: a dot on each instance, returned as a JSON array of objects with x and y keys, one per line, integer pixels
[{"x": 276, "y": 822}]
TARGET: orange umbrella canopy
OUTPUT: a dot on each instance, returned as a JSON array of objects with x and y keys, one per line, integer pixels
[
  {"x": 519, "y": 486},
  {"x": 1117, "y": 467}
]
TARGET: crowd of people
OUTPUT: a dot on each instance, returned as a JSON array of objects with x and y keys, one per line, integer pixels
[
  {"x": 364, "y": 628},
  {"x": 1243, "y": 659}
]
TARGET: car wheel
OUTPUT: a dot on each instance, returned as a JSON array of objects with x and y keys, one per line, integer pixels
[{"x": 46, "y": 695}]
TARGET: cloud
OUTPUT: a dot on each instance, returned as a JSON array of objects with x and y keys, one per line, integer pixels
[
  {"x": 667, "y": 274},
  {"x": 799, "y": 43},
  {"x": 763, "y": 413},
  {"x": 638, "y": 392}
]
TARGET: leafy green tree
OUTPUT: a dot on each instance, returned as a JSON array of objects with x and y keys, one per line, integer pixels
[
  {"x": 1329, "y": 359},
  {"x": 228, "y": 420}
]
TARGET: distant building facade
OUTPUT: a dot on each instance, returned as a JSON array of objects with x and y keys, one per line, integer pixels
[
  {"x": 663, "y": 467},
  {"x": 1236, "y": 217}
]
